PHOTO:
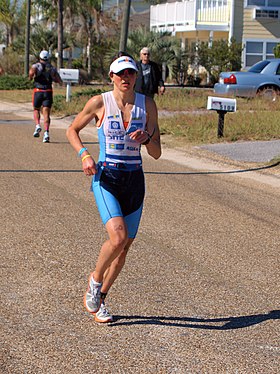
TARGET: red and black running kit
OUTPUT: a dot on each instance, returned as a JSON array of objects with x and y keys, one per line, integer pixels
[{"x": 43, "y": 93}]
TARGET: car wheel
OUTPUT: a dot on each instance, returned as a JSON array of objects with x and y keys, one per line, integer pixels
[{"x": 270, "y": 93}]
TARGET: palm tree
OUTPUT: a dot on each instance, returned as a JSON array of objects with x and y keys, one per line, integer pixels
[
  {"x": 42, "y": 38},
  {"x": 12, "y": 15},
  {"x": 164, "y": 48},
  {"x": 52, "y": 11},
  {"x": 87, "y": 12}
]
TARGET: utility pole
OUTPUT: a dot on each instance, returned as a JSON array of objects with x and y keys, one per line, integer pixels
[
  {"x": 27, "y": 38},
  {"x": 125, "y": 24}
]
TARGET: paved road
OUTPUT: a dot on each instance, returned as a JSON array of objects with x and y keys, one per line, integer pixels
[
  {"x": 251, "y": 151},
  {"x": 200, "y": 290}
]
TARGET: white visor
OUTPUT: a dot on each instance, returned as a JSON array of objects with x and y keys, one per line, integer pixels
[{"x": 122, "y": 63}]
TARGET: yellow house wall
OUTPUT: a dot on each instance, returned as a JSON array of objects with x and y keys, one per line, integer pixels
[
  {"x": 266, "y": 28},
  {"x": 202, "y": 36}
]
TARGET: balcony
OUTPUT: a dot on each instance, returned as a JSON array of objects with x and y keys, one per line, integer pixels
[{"x": 191, "y": 15}]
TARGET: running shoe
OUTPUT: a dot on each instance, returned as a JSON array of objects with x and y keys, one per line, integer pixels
[
  {"x": 92, "y": 298},
  {"x": 37, "y": 131},
  {"x": 46, "y": 138},
  {"x": 103, "y": 315}
]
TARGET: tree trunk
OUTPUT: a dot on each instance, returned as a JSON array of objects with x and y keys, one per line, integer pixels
[
  {"x": 125, "y": 25},
  {"x": 89, "y": 47},
  {"x": 60, "y": 35},
  {"x": 27, "y": 38}
]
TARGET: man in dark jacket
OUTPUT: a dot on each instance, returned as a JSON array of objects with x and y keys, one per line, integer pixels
[{"x": 149, "y": 77}]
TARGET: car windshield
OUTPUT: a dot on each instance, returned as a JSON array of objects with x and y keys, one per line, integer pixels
[{"x": 258, "y": 67}]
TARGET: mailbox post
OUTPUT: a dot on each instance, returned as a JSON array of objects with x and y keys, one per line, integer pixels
[
  {"x": 69, "y": 76},
  {"x": 222, "y": 106},
  {"x": 221, "y": 122}
]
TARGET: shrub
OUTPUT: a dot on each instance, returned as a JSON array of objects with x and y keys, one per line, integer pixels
[
  {"x": 77, "y": 64},
  {"x": 12, "y": 62},
  {"x": 58, "y": 101},
  {"x": 15, "y": 82},
  {"x": 88, "y": 92},
  {"x": 276, "y": 51}
]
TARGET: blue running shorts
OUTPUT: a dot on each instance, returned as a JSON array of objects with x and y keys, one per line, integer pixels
[{"x": 120, "y": 193}]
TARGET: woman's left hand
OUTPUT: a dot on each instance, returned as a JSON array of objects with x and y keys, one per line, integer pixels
[{"x": 139, "y": 136}]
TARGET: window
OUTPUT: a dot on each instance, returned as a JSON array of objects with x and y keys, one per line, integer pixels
[
  {"x": 256, "y": 2},
  {"x": 262, "y": 13},
  {"x": 254, "y": 47},
  {"x": 273, "y": 3},
  {"x": 251, "y": 60},
  {"x": 269, "y": 49},
  {"x": 264, "y": 3},
  {"x": 256, "y": 51},
  {"x": 259, "y": 67}
]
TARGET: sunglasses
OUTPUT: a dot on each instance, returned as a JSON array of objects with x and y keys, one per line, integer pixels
[{"x": 125, "y": 71}]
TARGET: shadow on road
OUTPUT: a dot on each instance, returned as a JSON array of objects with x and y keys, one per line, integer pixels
[{"x": 226, "y": 323}]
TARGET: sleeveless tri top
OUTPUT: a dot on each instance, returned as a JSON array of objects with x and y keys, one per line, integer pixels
[
  {"x": 116, "y": 146},
  {"x": 43, "y": 79}
]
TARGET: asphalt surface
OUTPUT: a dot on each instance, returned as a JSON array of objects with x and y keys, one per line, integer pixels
[
  {"x": 248, "y": 151},
  {"x": 199, "y": 292},
  {"x": 258, "y": 151}
]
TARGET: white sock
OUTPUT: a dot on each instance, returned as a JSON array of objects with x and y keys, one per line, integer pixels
[{"x": 95, "y": 283}]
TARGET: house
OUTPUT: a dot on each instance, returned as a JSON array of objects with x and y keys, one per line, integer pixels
[
  {"x": 139, "y": 12},
  {"x": 254, "y": 23}
]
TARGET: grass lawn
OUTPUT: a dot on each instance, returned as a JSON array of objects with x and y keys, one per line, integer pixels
[{"x": 183, "y": 114}]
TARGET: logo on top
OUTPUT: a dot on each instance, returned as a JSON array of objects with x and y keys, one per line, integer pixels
[
  {"x": 114, "y": 125},
  {"x": 126, "y": 59}
]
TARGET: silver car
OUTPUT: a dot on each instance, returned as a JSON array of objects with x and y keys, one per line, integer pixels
[{"x": 262, "y": 79}]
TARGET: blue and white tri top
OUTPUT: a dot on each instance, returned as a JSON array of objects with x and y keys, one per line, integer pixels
[{"x": 115, "y": 144}]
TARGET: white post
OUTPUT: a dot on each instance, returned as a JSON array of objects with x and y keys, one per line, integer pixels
[{"x": 68, "y": 91}]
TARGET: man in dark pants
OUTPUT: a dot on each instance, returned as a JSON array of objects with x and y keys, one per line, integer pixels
[
  {"x": 149, "y": 79},
  {"x": 43, "y": 74}
]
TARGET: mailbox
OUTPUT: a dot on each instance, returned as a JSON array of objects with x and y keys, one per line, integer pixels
[
  {"x": 69, "y": 75},
  {"x": 221, "y": 103}
]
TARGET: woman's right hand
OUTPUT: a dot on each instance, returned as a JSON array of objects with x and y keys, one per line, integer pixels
[{"x": 89, "y": 166}]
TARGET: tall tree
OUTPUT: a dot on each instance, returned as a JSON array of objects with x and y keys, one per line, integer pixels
[
  {"x": 12, "y": 15},
  {"x": 88, "y": 13},
  {"x": 60, "y": 33},
  {"x": 162, "y": 45},
  {"x": 51, "y": 15},
  {"x": 125, "y": 25},
  {"x": 27, "y": 37}
]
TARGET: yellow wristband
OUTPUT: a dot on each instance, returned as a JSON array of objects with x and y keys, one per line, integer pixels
[{"x": 86, "y": 156}]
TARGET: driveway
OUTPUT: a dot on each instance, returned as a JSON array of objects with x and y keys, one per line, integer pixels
[{"x": 257, "y": 151}]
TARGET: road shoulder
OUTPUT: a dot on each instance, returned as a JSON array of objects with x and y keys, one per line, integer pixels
[{"x": 195, "y": 157}]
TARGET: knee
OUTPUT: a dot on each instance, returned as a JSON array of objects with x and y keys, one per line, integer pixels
[{"x": 118, "y": 242}]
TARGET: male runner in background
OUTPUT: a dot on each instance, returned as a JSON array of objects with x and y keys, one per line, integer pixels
[{"x": 44, "y": 74}]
